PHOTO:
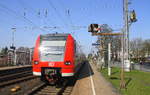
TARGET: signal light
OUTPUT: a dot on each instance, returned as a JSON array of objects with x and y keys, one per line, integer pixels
[
  {"x": 133, "y": 16},
  {"x": 12, "y": 47},
  {"x": 94, "y": 28}
]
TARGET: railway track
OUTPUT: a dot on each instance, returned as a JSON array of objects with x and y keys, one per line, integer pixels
[
  {"x": 14, "y": 69},
  {"x": 45, "y": 89},
  {"x": 14, "y": 81},
  {"x": 12, "y": 76}
]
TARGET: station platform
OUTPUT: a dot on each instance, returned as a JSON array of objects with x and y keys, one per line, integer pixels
[{"x": 91, "y": 82}]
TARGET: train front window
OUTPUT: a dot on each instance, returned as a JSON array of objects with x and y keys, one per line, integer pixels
[{"x": 52, "y": 51}]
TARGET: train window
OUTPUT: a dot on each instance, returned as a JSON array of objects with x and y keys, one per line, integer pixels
[{"x": 52, "y": 50}]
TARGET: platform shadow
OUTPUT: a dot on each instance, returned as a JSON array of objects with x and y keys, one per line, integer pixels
[{"x": 85, "y": 71}]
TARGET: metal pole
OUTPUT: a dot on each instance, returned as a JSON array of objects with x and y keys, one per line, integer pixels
[
  {"x": 109, "y": 68},
  {"x": 13, "y": 40},
  {"x": 126, "y": 27},
  {"x": 13, "y": 35},
  {"x": 30, "y": 56},
  {"x": 124, "y": 49},
  {"x": 15, "y": 58},
  {"x": 122, "y": 82}
]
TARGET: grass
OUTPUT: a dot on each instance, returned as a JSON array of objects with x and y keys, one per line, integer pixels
[{"x": 137, "y": 82}]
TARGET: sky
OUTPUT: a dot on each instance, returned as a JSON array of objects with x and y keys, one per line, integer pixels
[{"x": 29, "y": 17}]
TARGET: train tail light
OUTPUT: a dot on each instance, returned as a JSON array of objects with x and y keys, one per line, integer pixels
[
  {"x": 67, "y": 63},
  {"x": 36, "y": 62}
]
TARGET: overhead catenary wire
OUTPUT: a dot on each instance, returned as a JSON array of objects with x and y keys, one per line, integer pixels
[
  {"x": 68, "y": 15},
  {"x": 53, "y": 25},
  {"x": 37, "y": 12},
  {"x": 67, "y": 12},
  {"x": 57, "y": 12},
  {"x": 4, "y": 13},
  {"x": 22, "y": 3},
  {"x": 40, "y": 14},
  {"x": 12, "y": 11},
  {"x": 19, "y": 16},
  {"x": 27, "y": 8}
]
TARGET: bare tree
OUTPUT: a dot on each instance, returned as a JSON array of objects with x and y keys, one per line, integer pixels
[
  {"x": 116, "y": 48},
  {"x": 139, "y": 49}
]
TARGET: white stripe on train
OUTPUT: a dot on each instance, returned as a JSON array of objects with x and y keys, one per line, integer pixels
[
  {"x": 37, "y": 73},
  {"x": 63, "y": 74},
  {"x": 67, "y": 74}
]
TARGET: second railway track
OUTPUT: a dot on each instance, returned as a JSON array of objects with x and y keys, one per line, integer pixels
[{"x": 12, "y": 76}]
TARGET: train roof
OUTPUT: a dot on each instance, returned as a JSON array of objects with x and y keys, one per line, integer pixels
[{"x": 54, "y": 36}]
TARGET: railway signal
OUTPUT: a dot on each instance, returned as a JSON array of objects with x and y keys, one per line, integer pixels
[
  {"x": 12, "y": 47},
  {"x": 97, "y": 29},
  {"x": 133, "y": 16},
  {"x": 94, "y": 28}
]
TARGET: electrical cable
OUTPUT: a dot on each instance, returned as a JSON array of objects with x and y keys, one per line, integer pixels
[
  {"x": 57, "y": 12},
  {"x": 19, "y": 16}
]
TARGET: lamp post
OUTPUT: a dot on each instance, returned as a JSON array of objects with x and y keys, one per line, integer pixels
[{"x": 13, "y": 46}]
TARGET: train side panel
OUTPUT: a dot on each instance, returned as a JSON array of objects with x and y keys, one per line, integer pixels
[
  {"x": 68, "y": 70},
  {"x": 36, "y": 67}
]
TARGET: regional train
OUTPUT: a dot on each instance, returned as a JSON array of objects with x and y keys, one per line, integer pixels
[{"x": 56, "y": 56}]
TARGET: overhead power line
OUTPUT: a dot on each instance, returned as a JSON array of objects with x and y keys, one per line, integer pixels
[
  {"x": 57, "y": 12},
  {"x": 19, "y": 16},
  {"x": 67, "y": 13},
  {"x": 37, "y": 12},
  {"x": 23, "y": 4}
]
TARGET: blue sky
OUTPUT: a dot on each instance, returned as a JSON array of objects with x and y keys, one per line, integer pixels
[{"x": 65, "y": 14}]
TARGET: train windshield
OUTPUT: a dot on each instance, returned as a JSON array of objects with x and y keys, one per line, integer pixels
[{"x": 52, "y": 50}]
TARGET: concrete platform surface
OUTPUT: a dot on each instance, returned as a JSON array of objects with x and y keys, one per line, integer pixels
[{"x": 91, "y": 82}]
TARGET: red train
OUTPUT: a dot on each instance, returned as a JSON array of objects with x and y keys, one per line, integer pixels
[{"x": 54, "y": 57}]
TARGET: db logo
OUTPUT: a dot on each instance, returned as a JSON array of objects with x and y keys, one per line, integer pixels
[{"x": 51, "y": 64}]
